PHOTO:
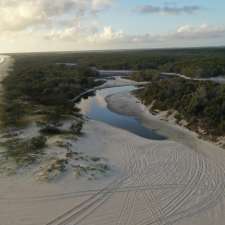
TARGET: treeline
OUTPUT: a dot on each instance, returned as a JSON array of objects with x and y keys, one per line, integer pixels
[
  {"x": 146, "y": 75},
  {"x": 201, "y": 104},
  {"x": 206, "y": 66},
  {"x": 34, "y": 85},
  {"x": 194, "y": 67},
  {"x": 196, "y": 62}
]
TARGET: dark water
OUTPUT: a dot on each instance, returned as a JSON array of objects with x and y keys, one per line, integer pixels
[{"x": 95, "y": 107}]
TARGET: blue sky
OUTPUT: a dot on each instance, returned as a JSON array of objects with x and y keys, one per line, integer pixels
[
  {"x": 46, "y": 25},
  {"x": 122, "y": 15}
]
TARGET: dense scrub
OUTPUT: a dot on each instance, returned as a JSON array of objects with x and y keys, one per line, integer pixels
[
  {"x": 200, "y": 103},
  {"x": 24, "y": 152},
  {"x": 39, "y": 83},
  {"x": 50, "y": 87},
  {"x": 146, "y": 75},
  {"x": 196, "y": 62},
  {"x": 36, "y": 105}
]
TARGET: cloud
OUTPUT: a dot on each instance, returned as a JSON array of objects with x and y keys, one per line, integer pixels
[
  {"x": 198, "y": 32},
  {"x": 99, "y": 5},
  {"x": 182, "y": 33},
  {"x": 73, "y": 24},
  {"x": 107, "y": 35},
  {"x": 90, "y": 35},
  {"x": 24, "y": 14},
  {"x": 16, "y": 16},
  {"x": 95, "y": 35},
  {"x": 167, "y": 9}
]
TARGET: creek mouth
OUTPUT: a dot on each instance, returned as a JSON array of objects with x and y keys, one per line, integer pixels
[{"x": 95, "y": 107}]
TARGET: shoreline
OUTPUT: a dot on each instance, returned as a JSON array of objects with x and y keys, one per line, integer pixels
[
  {"x": 146, "y": 167},
  {"x": 117, "y": 82},
  {"x": 128, "y": 104}
]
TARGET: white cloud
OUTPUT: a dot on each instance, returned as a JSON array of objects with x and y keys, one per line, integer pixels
[
  {"x": 79, "y": 34},
  {"x": 74, "y": 24},
  {"x": 14, "y": 16},
  {"x": 98, "y": 5},
  {"x": 185, "y": 32},
  {"x": 202, "y": 31},
  {"x": 107, "y": 35},
  {"x": 17, "y": 15},
  {"x": 90, "y": 35}
]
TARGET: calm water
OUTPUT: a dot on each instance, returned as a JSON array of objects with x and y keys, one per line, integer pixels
[{"x": 95, "y": 107}]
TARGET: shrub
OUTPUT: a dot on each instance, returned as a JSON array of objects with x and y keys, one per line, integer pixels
[
  {"x": 201, "y": 102},
  {"x": 25, "y": 152}
]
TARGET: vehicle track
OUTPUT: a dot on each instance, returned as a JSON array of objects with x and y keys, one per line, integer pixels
[
  {"x": 85, "y": 205},
  {"x": 146, "y": 195}
]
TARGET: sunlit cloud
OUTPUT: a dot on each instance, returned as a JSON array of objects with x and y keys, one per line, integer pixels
[
  {"x": 24, "y": 14},
  {"x": 107, "y": 34},
  {"x": 80, "y": 24}
]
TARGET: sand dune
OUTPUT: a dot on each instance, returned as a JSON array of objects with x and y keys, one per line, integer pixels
[
  {"x": 160, "y": 182},
  {"x": 153, "y": 182},
  {"x": 177, "y": 181}
]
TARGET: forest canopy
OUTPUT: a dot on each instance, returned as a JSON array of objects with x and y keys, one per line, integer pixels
[
  {"x": 201, "y": 104},
  {"x": 195, "y": 62},
  {"x": 33, "y": 85}
]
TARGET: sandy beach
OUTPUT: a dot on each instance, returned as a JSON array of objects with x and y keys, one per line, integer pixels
[
  {"x": 175, "y": 181},
  {"x": 152, "y": 182},
  {"x": 128, "y": 104}
]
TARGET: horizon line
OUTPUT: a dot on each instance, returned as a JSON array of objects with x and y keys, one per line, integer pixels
[{"x": 117, "y": 50}]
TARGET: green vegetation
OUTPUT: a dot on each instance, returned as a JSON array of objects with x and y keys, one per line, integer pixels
[
  {"x": 38, "y": 94},
  {"x": 146, "y": 75},
  {"x": 81, "y": 165},
  {"x": 92, "y": 171},
  {"x": 50, "y": 129},
  {"x": 195, "y": 62},
  {"x": 24, "y": 152},
  {"x": 40, "y": 89},
  {"x": 45, "y": 89},
  {"x": 202, "y": 104}
]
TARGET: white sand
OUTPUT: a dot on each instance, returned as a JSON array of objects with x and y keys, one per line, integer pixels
[
  {"x": 152, "y": 182},
  {"x": 127, "y": 104}
]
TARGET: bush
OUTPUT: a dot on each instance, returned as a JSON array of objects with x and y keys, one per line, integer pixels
[
  {"x": 50, "y": 130},
  {"x": 25, "y": 152},
  {"x": 77, "y": 127},
  {"x": 38, "y": 142},
  {"x": 202, "y": 102},
  {"x": 50, "y": 86}
]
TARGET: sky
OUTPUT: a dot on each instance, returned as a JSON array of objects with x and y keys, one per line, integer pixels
[{"x": 74, "y": 25}]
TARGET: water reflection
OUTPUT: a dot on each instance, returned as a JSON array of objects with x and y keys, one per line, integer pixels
[{"x": 95, "y": 107}]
